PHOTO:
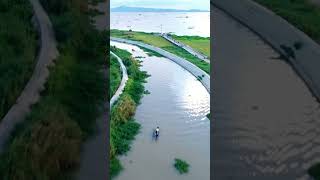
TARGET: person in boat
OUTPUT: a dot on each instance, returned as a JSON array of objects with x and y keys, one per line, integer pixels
[{"x": 157, "y": 131}]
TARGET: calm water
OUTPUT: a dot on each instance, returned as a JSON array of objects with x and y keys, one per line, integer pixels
[
  {"x": 178, "y": 104},
  {"x": 266, "y": 121},
  {"x": 179, "y": 23}
]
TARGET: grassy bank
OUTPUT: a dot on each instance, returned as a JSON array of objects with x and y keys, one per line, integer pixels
[
  {"x": 18, "y": 42},
  {"x": 47, "y": 145},
  {"x": 201, "y": 44},
  {"x": 123, "y": 127},
  {"x": 158, "y": 41},
  {"x": 301, "y": 13},
  {"x": 115, "y": 76}
]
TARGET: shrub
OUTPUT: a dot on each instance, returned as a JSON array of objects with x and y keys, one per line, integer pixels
[
  {"x": 181, "y": 166},
  {"x": 124, "y": 109}
]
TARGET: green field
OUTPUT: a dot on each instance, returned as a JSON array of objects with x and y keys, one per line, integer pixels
[
  {"x": 18, "y": 50},
  {"x": 300, "y": 13},
  {"x": 47, "y": 145},
  {"x": 123, "y": 127},
  {"x": 201, "y": 44},
  {"x": 115, "y": 76},
  {"x": 158, "y": 41}
]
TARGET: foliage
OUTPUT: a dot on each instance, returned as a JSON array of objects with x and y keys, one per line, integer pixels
[
  {"x": 300, "y": 13},
  {"x": 201, "y": 44},
  {"x": 115, "y": 76},
  {"x": 314, "y": 171},
  {"x": 158, "y": 41},
  {"x": 181, "y": 166},
  {"x": 18, "y": 42},
  {"x": 123, "y": 128},
  {"x": 47, "y": 145}
]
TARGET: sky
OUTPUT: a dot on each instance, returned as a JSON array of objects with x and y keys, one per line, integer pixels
[{"x": 164, "y": 4}]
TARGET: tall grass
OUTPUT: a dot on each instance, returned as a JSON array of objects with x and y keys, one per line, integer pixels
[
  {"x": 123, "y": 128},
  {"x": 18, "y": 50},
  {"x": 47, "y": 145}
]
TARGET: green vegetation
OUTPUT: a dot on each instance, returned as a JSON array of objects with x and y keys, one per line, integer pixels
[
  {"x": 300, "y": 13},
  {"x": 18, "y": 42},
  {"x": 115, "y": 76},
  {"x": 201, "y": 44},
  {"x": 209, "y": 116},
  {"x": 123, "y": 127},
  {"x": 314, "y": 171},
  {"x": 47, "y": 145},
  {"x": 150, "y": 52},
  {"x": 158, "y": 41},
  {"x": 181, "y": 166}
]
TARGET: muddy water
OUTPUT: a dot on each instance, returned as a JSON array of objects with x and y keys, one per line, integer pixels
[
  {"x": 178, "y": 104},
  {"x": 266, "y": 122}
]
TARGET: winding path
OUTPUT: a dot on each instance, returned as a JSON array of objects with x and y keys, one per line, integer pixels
[
  {"x": 124, "y": 80},
  {"x": 31, "y": 93},
  {"x": 187, "y": 48},
  {"x": 193, "y": 69}
]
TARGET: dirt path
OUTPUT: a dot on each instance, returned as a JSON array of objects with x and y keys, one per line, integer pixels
[
  {"x": 124, "y": 79},
  {"x": 31, "y": 93}
]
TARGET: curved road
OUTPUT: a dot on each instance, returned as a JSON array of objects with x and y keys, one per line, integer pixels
[
  {"x": 31, "y": 93},
  {"x": 266, "y": 120},
  {"x": 124, "y": 80},
  {"x": 193, "y": 69}
]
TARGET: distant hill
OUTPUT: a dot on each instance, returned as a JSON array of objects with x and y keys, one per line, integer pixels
[{"x": 141, "y": 9}]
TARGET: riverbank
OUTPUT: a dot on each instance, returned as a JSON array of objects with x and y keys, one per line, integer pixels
[
  {"x": 158, "y": 41},
  {"x": 202, "y": 76},
  {"x": 248, "y": 122},
  {"x": 123, "y": 127},
  {"x": 178, "y": 104},
  {"x": 19, "y": 42},
  {"x": 115, "y": 75},
  {"x": 200, "y": 44},
  {"x": 47, "y": 145},
  {"x": 303, "y": 14}
]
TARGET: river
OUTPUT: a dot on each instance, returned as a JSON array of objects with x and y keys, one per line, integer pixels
[
  {"x": 266, "y": 121},
  {"x": 178, "y": 104}
]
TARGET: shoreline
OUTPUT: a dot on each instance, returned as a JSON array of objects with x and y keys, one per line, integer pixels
[{"x": 194, "y": 70}]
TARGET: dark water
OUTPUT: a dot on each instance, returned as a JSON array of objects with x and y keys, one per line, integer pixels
[
  {"x": 178, "y": 104},
  {"x": 266, "y": 122}
]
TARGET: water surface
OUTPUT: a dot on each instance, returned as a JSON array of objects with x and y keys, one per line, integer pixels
[
  {"x": 178, "y": 104},
  {"x": 179, "y": 23}
]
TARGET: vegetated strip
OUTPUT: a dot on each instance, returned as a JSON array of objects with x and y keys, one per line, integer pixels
[
  {"x": 123, "y": 82},
  {"x": 302, "y": 14},
  {"x": 47, "y": 145},
  {"x": 158, "y": 41},
  {"x": 123, "y": 127},
  {"x": 115, "y": 76},
  {"x": 201, "y": 44},
  {"x": 19, "y": 46}
]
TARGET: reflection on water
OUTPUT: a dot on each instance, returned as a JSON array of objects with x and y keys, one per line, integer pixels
[
  {"x": 179, "y": 23},
  {"x": 178, "y": 104}
]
